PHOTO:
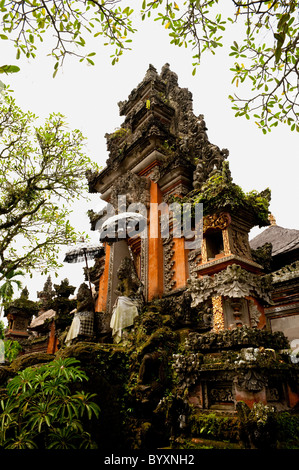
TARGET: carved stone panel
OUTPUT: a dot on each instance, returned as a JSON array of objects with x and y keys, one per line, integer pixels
[
  {"x": 135, "y": 188},
  {"x": 168, "y": 254},
  {"x": 194, "y": 258},
  {"x": 240, "y": 244},
  {"x": 220, "y": 395},
  {"x": 236, "y": 313},
  {"x": 216, "y": 221}
]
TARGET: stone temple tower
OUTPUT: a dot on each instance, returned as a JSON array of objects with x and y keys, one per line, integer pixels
[
  {"x": 161, "y": 155},
  {"x": 151, "y": 158},
  {"x": 161, "y": 152}
]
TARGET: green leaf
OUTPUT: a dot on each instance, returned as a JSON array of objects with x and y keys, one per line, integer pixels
[{"x": 9, "y": 69}]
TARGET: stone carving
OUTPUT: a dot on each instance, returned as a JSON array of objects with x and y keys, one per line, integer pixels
[
  {"x": 218, "y": 395},
  {"x": 155, "y": 174},
  {"x": 84, "y": 299},
  {"x": 240, "y": 243},
  {"x": 254, "y": 313},
  {"x": 129, "y": 284},
  {"x": 236, "y": 312},
  {"x": 169, "y": 283},
  {"x": 95, "y": 272},
  {"x": 233, "y": 281},
  {"x": 187, "y": 368},
  {"x": 83, "y": 322},
  {"x": 263, "y": 256},
  {"x": 216, "y": 221},
  {"x": 134, "y": 187},
  {"x": 242, "y": 337},
  {"x": 209, "y": 163},
  {"x": 252, "y": 381},
  {"x": 194, "y": 258}
]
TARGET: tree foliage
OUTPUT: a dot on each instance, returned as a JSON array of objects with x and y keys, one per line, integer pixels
[
  {"x": 266, "y": 56},
  {"x": 7, "y": 288},
  {"x": 266, "y": 53},
  {"x": 41, "y": 410},
  {"x": 28, "y": 21},
  {"x": 42, "y": 171}
]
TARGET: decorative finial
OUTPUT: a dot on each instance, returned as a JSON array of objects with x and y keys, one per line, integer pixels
[{"x": 272, "y": 219}]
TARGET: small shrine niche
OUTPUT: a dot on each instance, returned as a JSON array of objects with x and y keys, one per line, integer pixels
[
  {"x": 214, "y": 245},
  {"x": 19, "y": 314}
]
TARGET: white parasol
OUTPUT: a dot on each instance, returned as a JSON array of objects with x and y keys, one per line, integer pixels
[
  {"x": 115, "y": 227},
  {"x": 82, "y": 252}
]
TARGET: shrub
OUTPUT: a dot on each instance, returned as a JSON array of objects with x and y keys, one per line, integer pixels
[{"x": 41, "y": 411}]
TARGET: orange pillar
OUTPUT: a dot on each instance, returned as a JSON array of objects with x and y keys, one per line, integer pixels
[
  {"x": 155, "y": 246},
  {"x": 181, "y": 262},
  {"x": 52, "y": 347},
  {"x": 103, "y": 284}
]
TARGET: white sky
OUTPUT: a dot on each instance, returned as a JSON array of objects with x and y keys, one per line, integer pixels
[{"x": 88, "y": 97}]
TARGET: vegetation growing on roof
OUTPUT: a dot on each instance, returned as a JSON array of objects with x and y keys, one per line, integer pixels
[{"x": 219, "y": 193}]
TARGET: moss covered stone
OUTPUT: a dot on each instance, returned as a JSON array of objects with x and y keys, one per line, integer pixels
[{"x": 29, "y": 360}]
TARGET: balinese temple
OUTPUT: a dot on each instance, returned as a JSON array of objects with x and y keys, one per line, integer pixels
[
  {"x": 187, "y": 295},
  {"x": 222, "y": 285},
  {"x": 162, "y": 153}
]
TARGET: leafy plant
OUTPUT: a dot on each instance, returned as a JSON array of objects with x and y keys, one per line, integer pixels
[
  {"x": 2, "y": 328},
  {"x": 42, "y": 411},
  {"x": 12, "y": 349}
]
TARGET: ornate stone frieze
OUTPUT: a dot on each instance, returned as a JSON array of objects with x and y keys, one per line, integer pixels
[
  {"x": 169, "y": 272},
  {"x": 187, "y": 368},
  {"x": 233, "y": 281},
  {"x": 222, "y": 394},
  {"x": 216, "y": 221},
  {"x": 251, "y": 380},
  {"x": 144, "y": 266},
  {"x": 194, "y": 258}
]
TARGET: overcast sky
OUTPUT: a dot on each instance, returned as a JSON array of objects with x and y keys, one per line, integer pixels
[{"x": 88, "y": 97}]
